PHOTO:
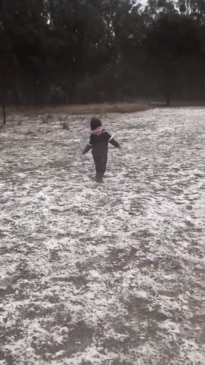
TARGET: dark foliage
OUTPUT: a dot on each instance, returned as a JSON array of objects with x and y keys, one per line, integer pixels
[{"x": 67, "y": 51}]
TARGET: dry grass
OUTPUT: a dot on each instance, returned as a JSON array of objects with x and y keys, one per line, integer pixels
[{"x": 82, "y": 109}]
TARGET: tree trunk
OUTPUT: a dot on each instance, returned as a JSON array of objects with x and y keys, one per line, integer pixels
[
  {"x": 3, "y": 105},
  {"x": 168, "y": 100},
  {"x": 4, "y": 113}
]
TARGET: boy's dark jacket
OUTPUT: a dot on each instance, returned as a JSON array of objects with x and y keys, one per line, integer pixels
[{"x": 99, "y": 143}]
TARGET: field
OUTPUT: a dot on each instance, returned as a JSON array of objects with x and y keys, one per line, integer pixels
[{"x": 110, "y": 274}]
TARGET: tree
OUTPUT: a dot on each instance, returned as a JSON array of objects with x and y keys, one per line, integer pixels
[
  {"x": 65, "y": 51},
  {"x": 171, "y": 42},
  {"x": 5, "y": 63}
]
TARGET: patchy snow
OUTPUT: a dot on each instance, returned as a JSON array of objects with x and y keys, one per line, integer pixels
[{"x": 106, "y": 274}]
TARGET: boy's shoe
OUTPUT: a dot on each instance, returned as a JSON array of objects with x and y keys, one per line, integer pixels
[{"x": 99, "y": 177}]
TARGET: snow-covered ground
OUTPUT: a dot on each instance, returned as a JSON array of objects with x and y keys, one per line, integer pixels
[{"x": 110, "y": 274}]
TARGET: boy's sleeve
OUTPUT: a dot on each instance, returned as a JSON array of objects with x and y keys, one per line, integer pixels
[
  {"x": 88, "y": 147},
  {"x": 112, "y": 141}
]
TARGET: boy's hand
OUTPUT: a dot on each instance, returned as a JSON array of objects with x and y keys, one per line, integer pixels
[{"x": 87, "y": 149}]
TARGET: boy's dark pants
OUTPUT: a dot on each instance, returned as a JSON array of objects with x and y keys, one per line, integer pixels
[{"x": 100, "y": 165}]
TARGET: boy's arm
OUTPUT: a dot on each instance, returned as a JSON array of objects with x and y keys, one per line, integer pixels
[
  {"x": 114, "y": 142},
  {"x": 87, "y": 148}
]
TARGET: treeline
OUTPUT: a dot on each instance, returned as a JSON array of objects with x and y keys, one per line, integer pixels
[{"x": 81, "y": 51}]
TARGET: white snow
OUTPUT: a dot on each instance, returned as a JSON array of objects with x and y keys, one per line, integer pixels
[{"x": 106, "y": 274}]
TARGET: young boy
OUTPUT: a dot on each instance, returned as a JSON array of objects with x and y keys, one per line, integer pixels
[{"x": 99, "y": 140}]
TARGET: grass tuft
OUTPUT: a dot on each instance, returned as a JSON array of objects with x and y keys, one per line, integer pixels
[{"x": 65, "y": 126}]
